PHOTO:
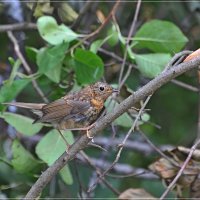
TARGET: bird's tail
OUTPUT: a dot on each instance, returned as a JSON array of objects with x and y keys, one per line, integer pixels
[{"x": 33, "y": 106}]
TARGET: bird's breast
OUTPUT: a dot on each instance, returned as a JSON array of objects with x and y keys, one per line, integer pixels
[{"x": 97, "y": 104}]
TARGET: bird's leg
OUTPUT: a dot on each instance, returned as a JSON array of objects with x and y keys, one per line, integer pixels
[
  {"x": 67, "y": 144},
  {"x": 85, "y": 129}
]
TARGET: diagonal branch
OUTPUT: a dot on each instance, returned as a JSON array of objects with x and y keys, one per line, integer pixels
[
  {"x": 82, "y": 142},
  {"x": 26, "y": 66}
]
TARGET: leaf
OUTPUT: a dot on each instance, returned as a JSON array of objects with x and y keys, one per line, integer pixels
[
  {"x": 31, "y": 53},
  {"x": 124, "y": 120},
  {"x": 96, "y": 45},
  {"x": 53, "y": 33},
  {"x": 160, "y": 36},
  {"x": 22, "y": 160},
  {"x": 21, "y": 123},
  {"x": 150, "y": 65},
  {"x": 66, "y": 175},
  {"x": 123, "y": 44},
  {"x": 13, "y": 74},
  {"x": 136, "y": 193},
  {"x": 54, "y": 74},
  {"x": 66, "y": 13},
  {"x": 113, "y": 40},
  {"x": 40, "y": 8},
  {"x": 193, "y": 55},
  {"x": 51, "y": 147},
  {"x": 88, "y": 66},
  {"x": 48, "y": 58},
  {"x": 9, "y": 91},
  {"x": 50, "y": 61}
]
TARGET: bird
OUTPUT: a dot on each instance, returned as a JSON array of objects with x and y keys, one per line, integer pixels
[{"x": 74, "y": 111}]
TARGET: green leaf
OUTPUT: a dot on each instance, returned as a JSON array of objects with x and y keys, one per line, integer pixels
[
  {"x": 51, "y": 147},
  {"x": 66, "y": 13},
  {"x": 123, "y": 45},
  {"x": 53, "y": 33},
  {"x": 31, "y": 53},
  {"x": 48, "y": 58},
  {"x": 113, "y": 40},
  {"x": 54, "y": 74},
  {"x": 50, "y": 61},
  {"x": 96, "y": 45},
  {"x": 21, "y": 123},
  {"x": 124, "y": 120},
  {"x": 22, "y": 160},
  {"x": 88, "y": 66},
  {"x": 150, "y": 65},
  {"x": 66, "y": 175},
  {"x": 9, "y": 91},
  {"x": 145, "y": 117},
  {"x": 13, "y": 74},
  {"x": 160, "y": 36}
]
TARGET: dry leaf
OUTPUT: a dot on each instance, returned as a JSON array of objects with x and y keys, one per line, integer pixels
[
  {"x": 167, "y": 170},
  {"x": 138, "y": 193},
  {"x": 101, "y": 17},
  {"x": 193, "y": 55}
]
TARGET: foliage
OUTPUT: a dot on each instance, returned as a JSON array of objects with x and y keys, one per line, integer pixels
[{"x": 64, "y": 59}]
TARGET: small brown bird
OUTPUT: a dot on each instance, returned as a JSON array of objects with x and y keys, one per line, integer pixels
[{"x": 75, "y": 111}]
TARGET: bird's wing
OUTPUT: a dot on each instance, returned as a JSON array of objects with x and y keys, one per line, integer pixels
[{"x": 63, "y": 109}]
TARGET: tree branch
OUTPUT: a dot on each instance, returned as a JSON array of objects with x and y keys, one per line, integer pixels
[
  {"x": 82, "y": 142},
  {"x": 26, "y": 66},
  {"x": 17, "y": 27}
]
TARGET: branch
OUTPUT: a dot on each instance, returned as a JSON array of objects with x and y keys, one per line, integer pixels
[
  {"x": 82, "y": 142},
  {"x": 17, "y": 27},
  {"x": 93, "y": 165},
  {"x": 26, "y": 66},
  {"x": 138, "y": 146},
  {"x": 121, "y": 147},
  {"x": 180, "y": 172},
  {"x": 127, "y": 42},
  {"x": 124, "y": 170}
]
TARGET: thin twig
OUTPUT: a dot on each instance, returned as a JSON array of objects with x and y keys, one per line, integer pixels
[
  {"x": 122, "y": 144},
  {"x": 81, "y": 187},
  {"x": 130, "y": 67},
  {"x": 82, "y": 142},
  {"x": 128, "y": 40},
  {"x": 26, "y": 66},
  {"x": 112, "y": 12},
  {"x": 185, "y": 85},
  {"x": 176, "y": 57},
  {"x": 198, "y": 123},
  {"x": 122, "y": 169},
  {"x": 127, "y": 175},
  {"x": 89, "y": 161},
  {"x": 17, "y": 27},
  {"x": 180, "y": 172},
  {"x": 158, "y": 150},
  {"x": 138, "y": 146}
]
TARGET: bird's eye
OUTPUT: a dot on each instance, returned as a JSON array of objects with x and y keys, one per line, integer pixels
[{"x": 101, "y": 88}]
